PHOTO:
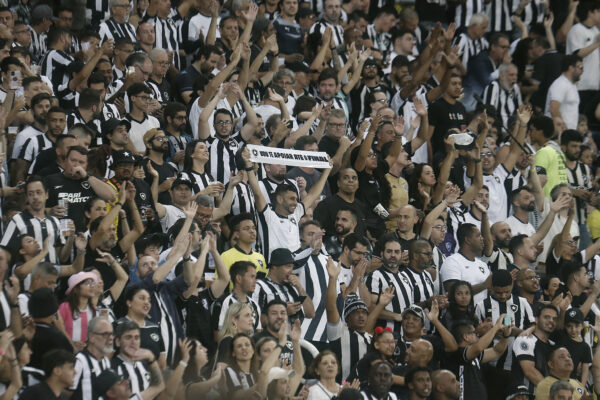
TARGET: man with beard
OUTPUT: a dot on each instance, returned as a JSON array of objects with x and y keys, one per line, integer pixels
[
  {"x": 157, "y": 145},
  {"x": 75, "y": 186},
  {"x": 280, "y": 283},
  {"x": 176, "y": 122},
  {"x": 580, "y": 179},
  {"x": 419, "y": 273},
  {"x": 56, "y": 121},
  {"x": 466, "y": 265},
  {"x": 418, "y": 381},
  {"x": 35, "y": 222},
  {"x": 327, "y": 210},
  {"x": 205, "y": 61},
  {"x": 500, "y": 234},
  {"x": 388, "y": 275},
  {"x": 40, "y": 104},
  {"x": 528, "y": 286},
  {"x": 503, "y": 93},
  {"x": 523, "y": 203},
  {"x": 345, "y": 224},
  {"x": 274, "y": 314},
  {"x": 380, "y": 382},
  {"x": 88, "y": 112},
  {"x": 530, "y": 353},
  {"x": 123, "y": 166},
  {"x": 444, "y": 385},
  {"x": 92, "y": 360},
  {"x": 563, "y": 98},
  {"x": 275, "y": 177},
  {"x": 360, "y": 93}
]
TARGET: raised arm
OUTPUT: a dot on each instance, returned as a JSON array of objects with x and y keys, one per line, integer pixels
[
  {"x": 211, "y": 35},
  {"x": 259, "y": 198},
  {"x": 316, "y": 190},
  {"x": 367, "y": 144},
  {"x": 109, "y": 219},
  {"x": 451, "y": 156},
  {"x": 333, "y": 270},
  {"x": 203, "y": 126},
  {"x": 138, "y": 226},
  {"x": 181, "y": 244},
  {"x": 433, "y": 317},
  {"x": 160, "y": 209},
  {"x": 122, "y": 277},
  {"x": 564, "y": 234},
  {"x": 524, "y": 114},
  {"x": 216, "y": 82},
  {"x": 303, "y": 130},
  {"x": 486, "y": 232},
  {"x": 250, "y": 16},
  {"x": 225, "y": 206},
  {"x": 356, "y": 71},
  {"x": 555, "y": 207},
  {"x": 220, "y": 284}
]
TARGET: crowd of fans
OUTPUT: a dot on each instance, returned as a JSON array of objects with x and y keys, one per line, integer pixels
[{"x": 446, "y": 247}]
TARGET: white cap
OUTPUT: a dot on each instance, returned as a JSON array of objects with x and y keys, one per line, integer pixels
[{"x": 279, "y": 373}]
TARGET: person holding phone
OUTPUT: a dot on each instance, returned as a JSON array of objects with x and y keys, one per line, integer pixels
[{"x": 281, "y": 283}]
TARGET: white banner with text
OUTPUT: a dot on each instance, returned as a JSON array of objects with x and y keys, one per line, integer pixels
[{"x": 296, "y": 158}]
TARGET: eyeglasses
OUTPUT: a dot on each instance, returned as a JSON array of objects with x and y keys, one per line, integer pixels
[
  {"x": 336, "y": 125},
  {"x": 488, "y": 154},
  {"x": 442, "y": 228},
  {"x": 370, "y": 66},
  {"x": 380, "y": 101},
  {"x": 160, "y": 138},
  {"x": 221, "y": 123}
]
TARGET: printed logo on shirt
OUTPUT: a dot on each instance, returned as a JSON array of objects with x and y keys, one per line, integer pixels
[
  {"x": 143, "y": 196},
  {"x": 514, "y": 307},
  {"x": 524, "y": 346},
  {"x": 85, "y": 184},
  {"x": 481, "y": 269},
  {"x": 154, "y": 337}
]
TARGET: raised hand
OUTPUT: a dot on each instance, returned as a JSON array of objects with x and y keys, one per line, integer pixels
[
  {"x": 333, "y": 269},
  {"x": 236, "y": 179},
  {"x": 151, "y": 170},
  {"x": 420, "y": 108},
  {"x": 480, "y": 206},
  {"x": 190, "y": 209},
  {"x": 81, "y": 241},
  {"x": 524, "y": 113},
  {"x": 434, "y": 312},
  {"x": 185, "y": 346},
  {"x": 250, "y": 15},
  {"x": 296, "y": 331},
  {"x": 387, "y": 295},
  {"x": 105, "y": 257}
]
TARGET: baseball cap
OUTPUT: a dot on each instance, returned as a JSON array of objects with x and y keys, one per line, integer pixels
[
  {"x": 519, "y": 390},
  {"x": 279, "y": 373},
  {"x": 42, "y": 11},
  {"x": 122, "y": 157},
  {"x": 180, "y": 181},
  {"x": 574, "y": 315},
  {"x": 111, "y": 124},
  {"x": 416, "y": 310},
  {"x": 281, "y": 256},
  {"x": 106, "y": 380}
]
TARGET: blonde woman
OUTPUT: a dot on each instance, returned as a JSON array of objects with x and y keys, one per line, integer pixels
[{"x": 239, "y": 319}]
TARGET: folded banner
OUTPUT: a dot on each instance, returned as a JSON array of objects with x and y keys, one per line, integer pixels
[{"x": 296, "y": 158}]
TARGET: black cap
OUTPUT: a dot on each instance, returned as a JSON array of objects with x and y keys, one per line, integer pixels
[
  {"x": 42, "y": 303},
  {"x": 519, "y": 390},
  {"x": 281, "y": 256},
  {"x": 297, "y": 66},
  {"x": 106, "y": 380},
  {"x": 370, "y": 61},
  {"x": 122, "y": 157},
  {"x": 574, "y": 315},
  {"x": 501, "y": 278},
  {"x": 180, "y": 181},
  {"x": 111, "y": 124}
]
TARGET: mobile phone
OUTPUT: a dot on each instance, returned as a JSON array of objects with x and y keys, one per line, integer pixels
[
  {"x": 301, "y": 299},
  {"x": 507, "y": 321},
  {"x": 15, "y": 78}
]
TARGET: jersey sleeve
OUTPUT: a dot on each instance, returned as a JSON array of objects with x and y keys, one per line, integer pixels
[
  {"x": 450, "y": 271},
  {"x": 524, "y": 348}
]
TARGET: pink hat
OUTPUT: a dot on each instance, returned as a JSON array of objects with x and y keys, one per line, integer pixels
[{"x": 79, "y": 277}]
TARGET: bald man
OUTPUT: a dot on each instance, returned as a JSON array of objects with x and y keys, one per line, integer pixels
[
  {"x": 497, "y": 256},
  {"x": 406, "y": 221},
  {"x": 444, "y": 385}
]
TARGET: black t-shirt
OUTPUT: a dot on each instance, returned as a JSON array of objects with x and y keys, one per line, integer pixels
[
  {"x": 46, "y": 338},
  {"x": 166, "y": 170},
  {"x": 444, "y": 116},
  {"x": 468, "y": 372},
  {"x": 328, "y": 145},
  {"x": 41, "y": 391},
  {"x": 76, "y": 192},
  {"x": 106, "y": 271},
  {"x": 150, "y": 337},
  {"x": 326, "y": 211},
  {"x": 44, "y": 159},
  {"x": 197, "y": 313},
  {"x": 438, "y": 350}
]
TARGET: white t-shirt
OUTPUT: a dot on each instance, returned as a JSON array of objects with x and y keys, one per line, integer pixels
[
  {"x": 579, "y": 37},
  {"x": 200, "y": 23},
  {"x": 498, "y": 209},
  {"x": 281, "y": 232},
  {"x": 519, "y": 228},
  {"x": 556, "y": 228},
  {"x": 565, "y": 92},
  {"x": 457, "y": 267},
  {"x": 139, "y": 129},
  {"x": 172, "y": 214}
]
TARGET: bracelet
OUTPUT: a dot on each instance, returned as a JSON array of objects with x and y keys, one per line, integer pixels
[
  {"x": 249, "y": 169},
  {"x": 183, "y": 364}
]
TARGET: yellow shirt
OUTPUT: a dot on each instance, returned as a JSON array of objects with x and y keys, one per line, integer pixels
[
  {"x": 542, "y": 391},
  {"x": 593, "y": 223},
  {"x": 553, "y": 160},
  {"x": 235, "y": 254},
  {"x": 398, "y": 198}
]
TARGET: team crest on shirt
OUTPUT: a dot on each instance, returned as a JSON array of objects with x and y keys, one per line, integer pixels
[
  {"x": 405, "y": 280},
  {"x": 514, "y": 307},
  {"x": 85, "y": 184},
  {"x": 524, "y": 346},
  {"x": 154, "y": 337},
  {"x": 580, "y": 391},
  {"x": 147, "y": 375},
  {"x": 481, "y": 269},
  {"x": 143, "y": 196},
  {"x": 260, "y": 263},
  {"x": 109, "y": 115},
  {"x": 290, "y": 345},
  {"x": 497, "y": 179},
  {"x": 293, "y": 220}
]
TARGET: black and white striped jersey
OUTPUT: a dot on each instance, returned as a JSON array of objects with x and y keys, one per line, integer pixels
[
  {"x": 87, "y": 369},
  {"x": 54, "y": 66},
  {"x": 421, "y": 282},
  {"x": 380, "y": 280},
  {"x": 469, "y": 48},
  {"x": 268, "y": 188},
  {"x": 199, "y": 180},
  {"x": 498, "y": 260},
  {"x": 321, "y": 25},
  {"x": 506, "y": 102},
  {"x": 382, "y": 41},
  {"x": 276, "y": 231},
  {"x": 465, "y": 10},
  {"x": 237, "y": 380},
  {"x": 38, "y": 46},
  {"x": 221, "y": 305},
  {"x": 222, "y": 159},
  {"x": 32, "y": 147},
  {"x": 350, "y": 346},
  {"x": 580, "y": 177},
  {"x": 266, "y": 290},
  {"x": 533, "y": 13},
  {"x": 517, "y": 308},
  {"x": 39, "y": 228},
  {"x": 312, "y": 273},
  {"x": 168, "y": 34},
  {"x": 243, "y": 200},
  {"x": 500, "y": 13},
  {"x": 137, "y": 373},
  {"x": 76, "y": 118},
  {"x": 111, "y": 29},
  {"x": 96, "y": 11}
]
